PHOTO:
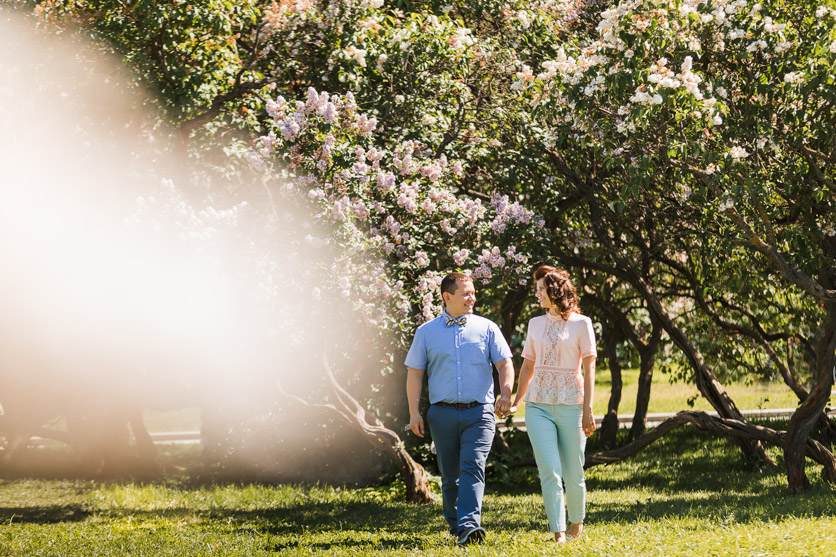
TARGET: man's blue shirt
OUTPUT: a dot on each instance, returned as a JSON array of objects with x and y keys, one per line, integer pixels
[{"x": 458, "y": 359}]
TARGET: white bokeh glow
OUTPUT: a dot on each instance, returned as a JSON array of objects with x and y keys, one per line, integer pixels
[{"x": 107, "y": 302}]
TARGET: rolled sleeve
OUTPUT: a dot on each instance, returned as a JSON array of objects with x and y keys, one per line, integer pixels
[
  {"x": 417, "y": 355},
  {"x": 499, "y": 349}
]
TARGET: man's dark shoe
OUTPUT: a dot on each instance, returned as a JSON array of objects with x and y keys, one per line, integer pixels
[{"x": 473, "y": 535}]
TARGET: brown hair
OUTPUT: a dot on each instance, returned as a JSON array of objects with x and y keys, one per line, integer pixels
[
  {"x": 541, "y": 271},
  {"x": 560, "y": 290},
  {"x": 449, "y": 283}
]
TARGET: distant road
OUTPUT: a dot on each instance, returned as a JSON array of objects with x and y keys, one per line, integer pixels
[
  {"x": 656, "y": 418},
  {"x": 624, "y": 421}
]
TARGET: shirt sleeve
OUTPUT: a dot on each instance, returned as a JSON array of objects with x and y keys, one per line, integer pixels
[
  {"x": 498, "y": 345},
  {"x": 586, "y": 342},
  {"x": 529, "y": 352},
  {"x": 417, "y": 355}
]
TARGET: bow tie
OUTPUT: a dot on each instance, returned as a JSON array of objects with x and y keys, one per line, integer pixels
[{"x": 461, "y": 320}]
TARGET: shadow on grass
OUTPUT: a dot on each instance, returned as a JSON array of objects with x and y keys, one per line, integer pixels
[
  {"x": 725, "y": 508},
  {"x": 43, "y": 514},
  {"x": 380, "y": 541}
]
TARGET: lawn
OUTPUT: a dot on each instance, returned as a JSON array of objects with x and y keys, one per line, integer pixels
[
  {"x": 673, "y": 397},
  {"x": 688, "y": 494},
  {"x": 665, "y": 397}
]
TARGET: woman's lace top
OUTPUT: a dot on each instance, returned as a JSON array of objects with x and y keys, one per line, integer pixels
[{"x": 557, "y": 347}]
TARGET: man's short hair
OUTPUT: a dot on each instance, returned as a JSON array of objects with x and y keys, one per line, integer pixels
[{"x": 448, "y": 283}]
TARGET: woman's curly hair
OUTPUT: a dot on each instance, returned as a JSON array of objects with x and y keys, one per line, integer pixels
[{"x": 559, "y": 289}]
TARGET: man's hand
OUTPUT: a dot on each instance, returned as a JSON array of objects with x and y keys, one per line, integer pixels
[
  {"x": 416, "y": 424},
  {"x": 503, "y": 406},
  {"x": 414, "y": 384}
]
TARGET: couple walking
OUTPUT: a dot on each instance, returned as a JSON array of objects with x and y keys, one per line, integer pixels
[{"x": 557, "y": 377}]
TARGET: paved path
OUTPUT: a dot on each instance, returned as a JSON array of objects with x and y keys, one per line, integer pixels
[
  {"x": 656, "y": 418},
  {"x": 624, "y": 421}
]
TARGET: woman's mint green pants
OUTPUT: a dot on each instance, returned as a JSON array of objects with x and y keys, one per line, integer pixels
[{"x": 556, "y": 434}]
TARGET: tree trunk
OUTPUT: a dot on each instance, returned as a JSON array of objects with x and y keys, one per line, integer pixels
[
  {"x": 647, "y": 355},
  {"x": 414, "y": 476},
  {"x": 810, "y": 410},
  {"x": 609, "y": 425},
  {"x": 510, "y": 311},
  {"x": 706, "y": 382},
  {"x": 734, "y": 428},
  {"x": 787, "y": 372},
  {"x": 144, "y": 443}
]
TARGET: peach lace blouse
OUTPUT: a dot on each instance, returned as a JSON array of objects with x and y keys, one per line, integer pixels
[{"x": 557, "y": 347}]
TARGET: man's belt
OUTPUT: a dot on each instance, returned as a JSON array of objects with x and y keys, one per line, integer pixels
[{"x": 459, "y": 405}]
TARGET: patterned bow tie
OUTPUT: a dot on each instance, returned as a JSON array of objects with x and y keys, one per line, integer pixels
[{"x": 461, "y": 320}]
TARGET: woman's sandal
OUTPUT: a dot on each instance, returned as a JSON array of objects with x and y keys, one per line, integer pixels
[{"x": 571, "y": 538}]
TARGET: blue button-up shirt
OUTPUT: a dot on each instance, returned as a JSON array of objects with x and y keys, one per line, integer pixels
[{"x": 458, "y": 359}]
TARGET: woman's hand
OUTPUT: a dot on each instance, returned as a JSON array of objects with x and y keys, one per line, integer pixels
[{"x": 588, "y": 422}]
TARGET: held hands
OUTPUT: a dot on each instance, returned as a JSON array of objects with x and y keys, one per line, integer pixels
[
  {"x": 503, "y": 406},
  {"x": 416, "y": 424},
  {"x": 588, "y": 422}
]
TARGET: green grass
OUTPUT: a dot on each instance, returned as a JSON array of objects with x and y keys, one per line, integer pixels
[
  {"x": 665, "y": 397},
  {"x": 673, "y": 397},
  {"x": 688, "y": 494}
]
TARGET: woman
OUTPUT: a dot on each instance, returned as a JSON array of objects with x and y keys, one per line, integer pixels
[{"x": 558, "y": 410}]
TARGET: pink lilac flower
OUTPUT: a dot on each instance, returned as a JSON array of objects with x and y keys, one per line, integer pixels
[
  {"x": 421, "y": 259},
  {"x": 359, "y": 208},
  {"x": 403, "y": 310},
  {"x": 386, "y": 182},
  {"x": 428, "y": 206}
]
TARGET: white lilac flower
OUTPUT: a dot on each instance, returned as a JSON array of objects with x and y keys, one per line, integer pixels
[
  {"x": 793, "y": 77},
  {"x": 358, "y": 54},
  {"x": 771, "y": 27},
  {"x": 727, "y": 204},
  {"x": 737, "y": 152},
  {"x": 461, "y": 39}
]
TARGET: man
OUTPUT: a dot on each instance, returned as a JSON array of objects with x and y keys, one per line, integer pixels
[{"x": 456, "y": 350}]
